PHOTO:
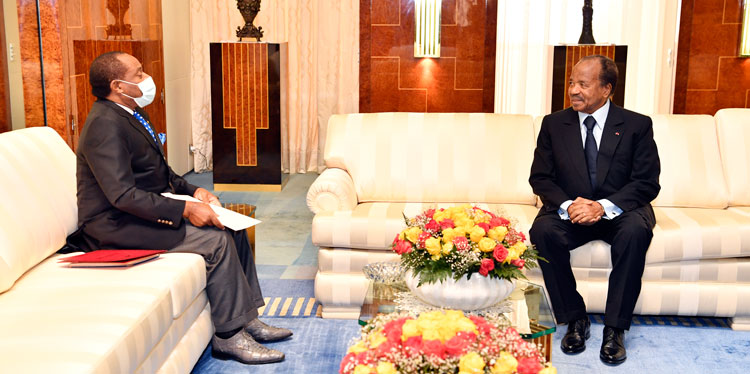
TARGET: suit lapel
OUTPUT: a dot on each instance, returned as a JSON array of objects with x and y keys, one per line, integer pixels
[
  {"x": 145, "y": 133},
  {"x": 608, "y": 145},
  {"x": 135, "y": 124},
  {"x": 572, "y": 137}
]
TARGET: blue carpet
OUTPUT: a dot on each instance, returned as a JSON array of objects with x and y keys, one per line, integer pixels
[{"x": 318, "y": 345}]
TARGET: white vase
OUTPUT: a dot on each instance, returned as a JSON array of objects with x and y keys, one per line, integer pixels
[{"x": 479, "y": 292}]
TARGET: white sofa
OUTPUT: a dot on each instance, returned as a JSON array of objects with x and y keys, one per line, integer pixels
[
  {"x": 153, "y": 317},
  {"x": 383, "y": 165}
]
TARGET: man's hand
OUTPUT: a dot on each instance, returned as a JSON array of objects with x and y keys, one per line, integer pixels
[
  {"x": 585, "y": 212},
  {"x": 203, "y": 195},
  {"x": 200, "y": 214}
]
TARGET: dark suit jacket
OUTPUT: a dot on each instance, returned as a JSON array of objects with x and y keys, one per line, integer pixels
[
  {"x": 627, "y": 166},
  {"x": 121, "y": 172}
]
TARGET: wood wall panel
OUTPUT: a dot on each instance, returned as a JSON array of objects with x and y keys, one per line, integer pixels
[
  {"x": 53, "y": 65},
  {"x": 5, "y": 124},
  {"x": 461, "y": 80},
  {"x": 246, "y": 113},
  {"x": 710, "y": 76}
]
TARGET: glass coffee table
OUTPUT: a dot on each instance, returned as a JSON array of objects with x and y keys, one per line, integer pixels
[{"x": 530, "y": 312}]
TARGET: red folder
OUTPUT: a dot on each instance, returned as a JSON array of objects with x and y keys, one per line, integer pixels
[{"x": 112, "y": 257}]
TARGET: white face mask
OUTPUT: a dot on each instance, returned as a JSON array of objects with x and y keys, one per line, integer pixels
[{"x": 147, "y": 87}]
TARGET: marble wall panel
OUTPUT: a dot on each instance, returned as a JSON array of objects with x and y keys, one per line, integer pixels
[
  {"x": 709, "y": 74},
  {"x": 461, "y": 80}
]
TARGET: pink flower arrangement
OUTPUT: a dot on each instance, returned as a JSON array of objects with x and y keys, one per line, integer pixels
[
  {"x": 441, "y": 342},
  {"x": 463, "y": 240}
]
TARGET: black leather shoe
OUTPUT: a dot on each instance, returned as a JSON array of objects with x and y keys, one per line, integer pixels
[
  {"x": 613, "y": 346},
  {"x": 574, "y": 340},
  {"x": 243, "y": 348},
  {"x": 265, "y": 333}
]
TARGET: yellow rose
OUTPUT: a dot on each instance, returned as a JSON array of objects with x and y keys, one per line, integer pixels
[
  {"x": 476, "y": 234},
  {"x": 459, "y": 231},
  {"x": 433, "y": 246},
  {"x": 521, "y": 247},
  {"x": 440, "y": 215},
  {"x": 447, "y": 248},
  {"x": 385, "y": 367},
  {"x": 464, "y": 222},
  {"x": 409, "y": 329},
  {"x": 401, "y": 235},
  {"x": 412, "y": 233},
  {"x": 448, "y": 235},
  {"x": 498, "y": 233},
  {"x": 362, "y": 369},
  {"x": 505, "y": 364},
  {"x": 486, "y": 244},
  {"x": 377, "y": 339},
  {"x": 548, "y": 370},
  {"x": 466, "y": 325},
  {"x": 358, "y": 348},
  {"x": 515, "y": 251},
  {"x": 471, "y": 363},
  {"x": 481, "y": 217}
]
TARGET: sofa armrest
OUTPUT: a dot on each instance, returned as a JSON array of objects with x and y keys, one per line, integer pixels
[{"x": 333, "y": 190}]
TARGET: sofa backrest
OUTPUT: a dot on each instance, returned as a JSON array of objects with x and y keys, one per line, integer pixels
[
  {"x": 733, "y": 129},
  {"x": 436, "y": 157},
  {"x": 691, "y": 168},
  {"x": 38, "y": 199}
]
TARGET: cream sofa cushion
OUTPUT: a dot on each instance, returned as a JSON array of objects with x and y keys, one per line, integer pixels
[
  {"x": 691, "y": 171},
  {"x": 455, "y": 157},
  {"x": 733, "y": 127},
  {"x": 97, "y": 320},
  {"x": 39, "y": 199}
]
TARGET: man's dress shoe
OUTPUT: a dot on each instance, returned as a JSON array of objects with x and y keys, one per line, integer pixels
[
  {"x": 265, "y": 333},
  {"x": 613, "y": 346},
  {"x": 243, "y": 348},
  {"x": 574, "y": 340}
]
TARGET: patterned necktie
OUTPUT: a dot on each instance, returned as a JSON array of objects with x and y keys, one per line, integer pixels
[
  {"x": 590, "y": 150},
  {"x": 145, "y": 124}
]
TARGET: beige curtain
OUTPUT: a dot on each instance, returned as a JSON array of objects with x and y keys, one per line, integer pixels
[{"x": 323, "y": 74}]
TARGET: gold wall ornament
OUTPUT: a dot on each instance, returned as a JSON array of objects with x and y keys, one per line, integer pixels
[
  {"x": 120, "y": 28},
  {"x": 249, "y": 9}
]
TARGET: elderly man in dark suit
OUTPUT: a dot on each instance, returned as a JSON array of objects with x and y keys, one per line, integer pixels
[
  {"x": 596, "y": 170},
  {"x": 121, "y": 173}
]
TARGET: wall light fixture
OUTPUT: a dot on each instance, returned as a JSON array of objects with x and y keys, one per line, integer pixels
[
  {"x": 427, "y": 28},
  {"x": 745, "y": 36}
]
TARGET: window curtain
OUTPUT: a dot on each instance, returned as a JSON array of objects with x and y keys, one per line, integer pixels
[
  {"x": 323, "y": 44},
  {"x": 527, "y": 30}
]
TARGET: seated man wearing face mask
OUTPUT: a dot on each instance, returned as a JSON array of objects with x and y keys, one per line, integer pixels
[{"x": 121, "y": 173}]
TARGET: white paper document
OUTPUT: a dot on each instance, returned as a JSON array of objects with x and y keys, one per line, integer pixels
[{"x": 228, "y": 218}]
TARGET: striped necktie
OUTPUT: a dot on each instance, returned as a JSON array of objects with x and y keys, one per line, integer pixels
[{"x": 145, "y": 124}]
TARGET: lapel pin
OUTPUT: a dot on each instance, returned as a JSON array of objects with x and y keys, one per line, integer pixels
[{"x": 617, "y": 133}]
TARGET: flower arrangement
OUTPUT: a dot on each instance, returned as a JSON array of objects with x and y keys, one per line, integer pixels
[
  {"x": 443, "y": 341},
  {"x": 462, "y": 240}
]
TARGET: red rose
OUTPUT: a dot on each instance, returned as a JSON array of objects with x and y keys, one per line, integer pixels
[
  {"x": 392, "y": 330},
  {"x": 499, "y": 221},
  {"x": 457, "y": 345},
  {"x": 413, "y": 345},
  {"x": 364, "y": 358},
  {"x": 486, "y": 266},
  {"x": 528, "y": 365},
  {"x": 519, "y": 262},
  {"x": 384, "y": 349},
  {"x": 432, "y": 226},
  {"x": 395, "y": 240},
  {"x": 421, "y": 239},
  {"x": 461, "y": 243},
  {"x": 349, "y": 360},
  {"x": 485, "y": 226},
  {"x": 500, "y": 253},
  {"x": 429, "y": 213},
  {"x": 402, "y": 246},
  {"x": 433, "y": 347},
  {"x": 482, "y": 325},
  {"x": 447, "y": 224}
]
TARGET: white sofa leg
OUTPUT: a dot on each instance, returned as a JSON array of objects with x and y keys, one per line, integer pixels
[{"x": 740, "y": 323}]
